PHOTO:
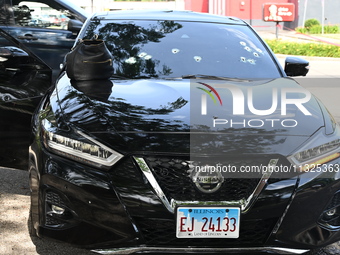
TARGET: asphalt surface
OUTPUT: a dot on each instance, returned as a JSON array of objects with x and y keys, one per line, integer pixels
[
  {"x": 323, "y": 80},
  {"x": 14, "y": 211}
]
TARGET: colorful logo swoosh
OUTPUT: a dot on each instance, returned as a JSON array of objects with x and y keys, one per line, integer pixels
[{"x": 211, "y": 89}]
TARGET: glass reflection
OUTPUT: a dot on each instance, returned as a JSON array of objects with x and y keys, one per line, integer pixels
[
  {"x": 169, "y": 49},
  {"x": 95, "y": 89}
]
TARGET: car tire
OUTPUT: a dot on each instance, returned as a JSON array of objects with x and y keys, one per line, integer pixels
[{"x": 31, "y": 230}]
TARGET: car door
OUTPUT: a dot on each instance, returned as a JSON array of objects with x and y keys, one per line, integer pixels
[
  {"x": 24, "y": 79},
  {"x": 43, "y": 26}
]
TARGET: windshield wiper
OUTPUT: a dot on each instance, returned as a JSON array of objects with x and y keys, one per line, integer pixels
[
  {"x": 114, "y": 76},
  {"x": 211, "y": 77}
]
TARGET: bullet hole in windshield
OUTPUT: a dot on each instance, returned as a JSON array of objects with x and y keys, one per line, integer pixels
[
  {"x": 175, "y": 51},
  {"x": 197, "y": 58},
  {"x": 252, "y": 61}
]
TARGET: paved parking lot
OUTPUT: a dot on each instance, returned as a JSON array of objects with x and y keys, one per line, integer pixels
[{"x": 14, "y": 210}]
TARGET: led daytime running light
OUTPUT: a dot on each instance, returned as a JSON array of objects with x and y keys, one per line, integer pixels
[
  {"x": 66, "y": 144},
  {"x": 318, "y": 163},
  {"x": 317, "y": 151},
  {"x": 314, "y": 157},
  {"x": 92, "y": 152}
]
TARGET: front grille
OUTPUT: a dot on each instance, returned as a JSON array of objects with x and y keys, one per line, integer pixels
[
  {"x": 173, "y": 176},
  {"x": 163, "y": 232},
  {"x": 52, "y": 219},
  {"x": 54, "y": 199},
  {"x": 331, "y": 214},
  {"x": 126, "y": 168},
  {"x": 335, "y": 202}
]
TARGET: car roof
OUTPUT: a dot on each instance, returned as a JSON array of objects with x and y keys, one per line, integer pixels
[{"x": 167, "y": 15}]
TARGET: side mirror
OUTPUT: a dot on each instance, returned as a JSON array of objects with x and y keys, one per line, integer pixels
[
  {"x": 74, "y": 25},
  {"x": 295, "y": 66}
]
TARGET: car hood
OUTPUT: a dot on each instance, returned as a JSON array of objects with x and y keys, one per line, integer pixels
[{"x": 143, "y": 114}]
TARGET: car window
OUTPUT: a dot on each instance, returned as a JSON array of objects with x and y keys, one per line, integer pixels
[
  {"x": 159, "y": 49},
  {"x": 37, "y": 14},
  {"x": 42, "y": 26},
  {"x": 24, "y": 80},
  {"x": 18, "y": 70}
]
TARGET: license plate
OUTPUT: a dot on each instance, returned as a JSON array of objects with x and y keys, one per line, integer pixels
[{"x": 208, "y": 222}]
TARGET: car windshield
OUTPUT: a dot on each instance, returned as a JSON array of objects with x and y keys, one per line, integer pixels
[{"x": 171, "y": 49}]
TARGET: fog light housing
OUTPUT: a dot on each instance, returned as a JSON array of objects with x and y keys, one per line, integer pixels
[
  {"x": 330, "y": 218},
  {"x": 331, "y": 212},
  {"x": 57, "y": 210},
  {"x": 57, "y": 214}
]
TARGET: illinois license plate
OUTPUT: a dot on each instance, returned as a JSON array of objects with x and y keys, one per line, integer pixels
[{"x": 208, "y": 222}]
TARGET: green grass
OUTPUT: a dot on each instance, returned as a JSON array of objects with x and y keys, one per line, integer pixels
[
  {"x": 317, "y": 29},
  {"x": 304, "y": 49}
]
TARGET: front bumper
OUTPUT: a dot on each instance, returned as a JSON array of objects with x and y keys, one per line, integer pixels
[
  {"x": 256, "y": 250},
  {"x": 108, "y": 211}
]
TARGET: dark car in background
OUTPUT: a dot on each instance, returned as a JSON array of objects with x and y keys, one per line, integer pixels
[
  {"x": 47, "y": 27},
  {"x": 30, "y": 56},
  {"x": 199, "y": 142}
]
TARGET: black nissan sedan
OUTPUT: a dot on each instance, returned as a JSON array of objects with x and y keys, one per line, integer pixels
[{"x": 199, "y": 142}]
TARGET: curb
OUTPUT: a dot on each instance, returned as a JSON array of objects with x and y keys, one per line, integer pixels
[{"x": 309, "y": 58}]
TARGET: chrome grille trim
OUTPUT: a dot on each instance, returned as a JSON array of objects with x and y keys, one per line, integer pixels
[
  {"x": 244, "y": 204},
  {"x": 149, "y": 176}
]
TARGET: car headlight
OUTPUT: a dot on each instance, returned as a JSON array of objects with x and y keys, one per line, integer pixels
[
  {"x": 80, "y": 147},
  {"x": 312, "y": 156}
]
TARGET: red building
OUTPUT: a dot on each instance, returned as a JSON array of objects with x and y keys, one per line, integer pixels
[{"x": 248, "y": 10}]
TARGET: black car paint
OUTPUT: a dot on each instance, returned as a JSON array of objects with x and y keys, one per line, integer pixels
[
  {"x": 24, "y": 80},
  {"x": 130, "y": 109},
  {"x": 290, "y": 216},
  {"x": 93, "y": 196},
  {"x": 27, "y": 74},
  {"x": 50, "y": 45}
]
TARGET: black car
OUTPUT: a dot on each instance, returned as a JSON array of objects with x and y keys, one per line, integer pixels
[
  {"x": 47, "y": 27},
  {"x": 199, "y": 142}
]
